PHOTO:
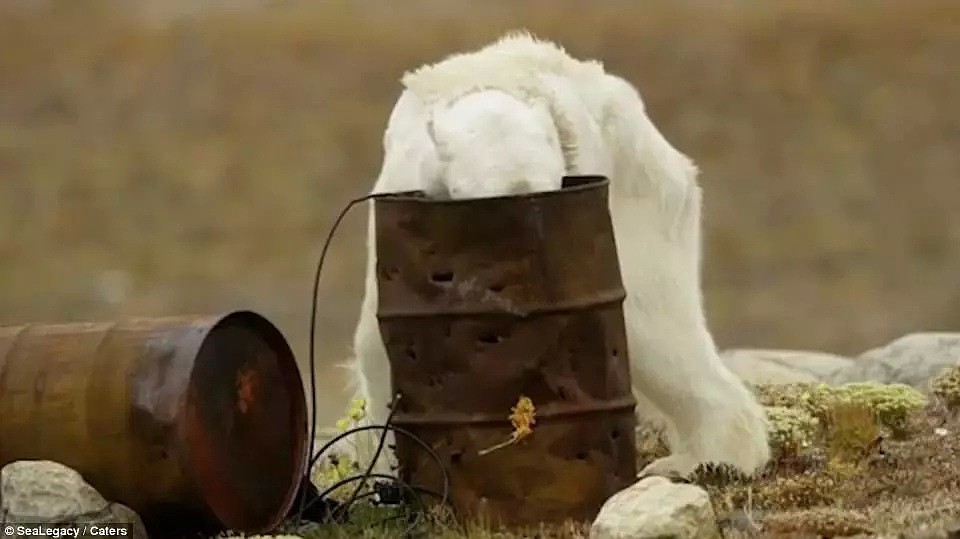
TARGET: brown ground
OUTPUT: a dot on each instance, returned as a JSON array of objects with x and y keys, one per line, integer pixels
[{"x": 195, "y": 164}]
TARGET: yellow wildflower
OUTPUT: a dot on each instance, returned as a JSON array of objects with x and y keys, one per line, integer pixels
[
  {"x": 358, "y": 409},
  {"x": 522, "y": 417}
]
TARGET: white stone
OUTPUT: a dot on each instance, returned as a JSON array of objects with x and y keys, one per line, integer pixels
[
  {"x": 656, "y": 508},
  {"x": 762, "y": 366},
  {"x": 46, "y": 491},
  {"x": 41, "y": 491},
  {"x": 914, "y": 359}
]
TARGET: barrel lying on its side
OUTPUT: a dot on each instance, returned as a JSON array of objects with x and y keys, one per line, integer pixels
[
  {"x": 186, "y": 417},
  {"x": 484, "y": 300}
]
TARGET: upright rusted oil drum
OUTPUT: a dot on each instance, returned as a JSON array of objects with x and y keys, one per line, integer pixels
[
  {"x": 484, "y": 300},
  {"x": 184, "y": 419}
]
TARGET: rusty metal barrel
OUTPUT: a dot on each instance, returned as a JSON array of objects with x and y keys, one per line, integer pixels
[
  {"x": 482, "y": 301},
  {"x": 199, "y": 419}
]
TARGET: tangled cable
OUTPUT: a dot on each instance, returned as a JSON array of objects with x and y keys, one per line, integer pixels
[{"x": 388, "y": 489}]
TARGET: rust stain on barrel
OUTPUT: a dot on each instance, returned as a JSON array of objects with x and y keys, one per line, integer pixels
[
  {"x": 202, "y": 417},
  {"x": 484, "y": 300}
]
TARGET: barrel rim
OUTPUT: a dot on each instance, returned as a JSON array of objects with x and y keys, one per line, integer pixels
[
  {"x": 554, "y": 411},
  {"x": 276, "y": 338},
  {"x": 588, "y": 182}
]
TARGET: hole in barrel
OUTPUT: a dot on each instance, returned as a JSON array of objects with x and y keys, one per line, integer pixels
[
  {"x": 456, "y": 457},
  {"x": 390, "y": 273},
  {"x": 490, "y": 338},
  {"x": 496, "y": 288},
  {"x": 582, "y": 455},
  {"x": 441, "y": 276},
  {"x": 410, "y": 353},
  {"x": 562, "y": 393},
  {"x": 614, "y": 434}
]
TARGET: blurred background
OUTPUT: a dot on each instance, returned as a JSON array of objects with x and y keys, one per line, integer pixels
[{"x": 190, "y": 156}]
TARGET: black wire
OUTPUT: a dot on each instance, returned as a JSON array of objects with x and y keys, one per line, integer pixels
[
  {"x": 419, "y": 488},
  {"x": 356, "y": 478},
  {"x": 444, "y": 496},
  {"x": 398, "y": 430},
  {"x": 313, "y": 327},
  {"x": 415, "y": 490}
]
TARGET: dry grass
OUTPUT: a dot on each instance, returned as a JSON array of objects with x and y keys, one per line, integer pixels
[
  {"x": 856, "y": 479},
  {"x": 195, "y": 164},
  {"x": 877, "y": 466}
]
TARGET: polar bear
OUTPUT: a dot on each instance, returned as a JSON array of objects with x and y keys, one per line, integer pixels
[{"x": 515, "y": 117}]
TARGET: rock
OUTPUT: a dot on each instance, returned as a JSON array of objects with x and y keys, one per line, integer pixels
[
  {"x": 913, "y": 360},
  {"x": 40, "y": 491},
  {"x": 46, "y": 491},
  {"x": 656, "y": 507},
  {"x": 759, "y": 366}
]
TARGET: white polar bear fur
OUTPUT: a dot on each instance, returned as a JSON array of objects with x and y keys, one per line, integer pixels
[{"x": 514, "y": 117}]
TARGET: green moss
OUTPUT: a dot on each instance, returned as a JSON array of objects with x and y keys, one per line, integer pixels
[
  {"x": 892, "y": 403},
  {"x": 810, "y": 397},
  {"x": 791, "y": 429}
]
